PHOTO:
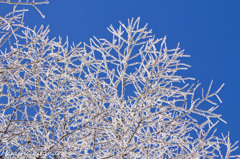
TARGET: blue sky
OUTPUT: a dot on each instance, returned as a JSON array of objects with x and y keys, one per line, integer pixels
[{"x": 207, "y": 30}]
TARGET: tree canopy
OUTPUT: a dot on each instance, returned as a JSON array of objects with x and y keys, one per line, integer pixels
[{"x": 109, "y": 98}]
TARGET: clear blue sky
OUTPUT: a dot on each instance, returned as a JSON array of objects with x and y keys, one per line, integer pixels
[{"x": 208, "y": 30}]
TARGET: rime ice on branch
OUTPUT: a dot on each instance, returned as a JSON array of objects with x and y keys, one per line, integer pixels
[{"x": 119, "y": 98}]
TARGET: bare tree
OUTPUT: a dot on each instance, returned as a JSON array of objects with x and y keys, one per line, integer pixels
[{"x": 121, "y": 98}]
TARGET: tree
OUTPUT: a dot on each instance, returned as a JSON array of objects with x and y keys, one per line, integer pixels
[{"x": 121, "y": 98}]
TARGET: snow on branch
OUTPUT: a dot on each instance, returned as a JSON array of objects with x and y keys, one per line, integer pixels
[{"x": 117, "y": 98}]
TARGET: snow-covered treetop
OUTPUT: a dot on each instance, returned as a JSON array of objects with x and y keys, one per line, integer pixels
[{"x": 118, "y": 98}]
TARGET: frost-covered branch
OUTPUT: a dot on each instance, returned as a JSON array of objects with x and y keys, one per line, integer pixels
[{"x": 118, "y": 98}]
